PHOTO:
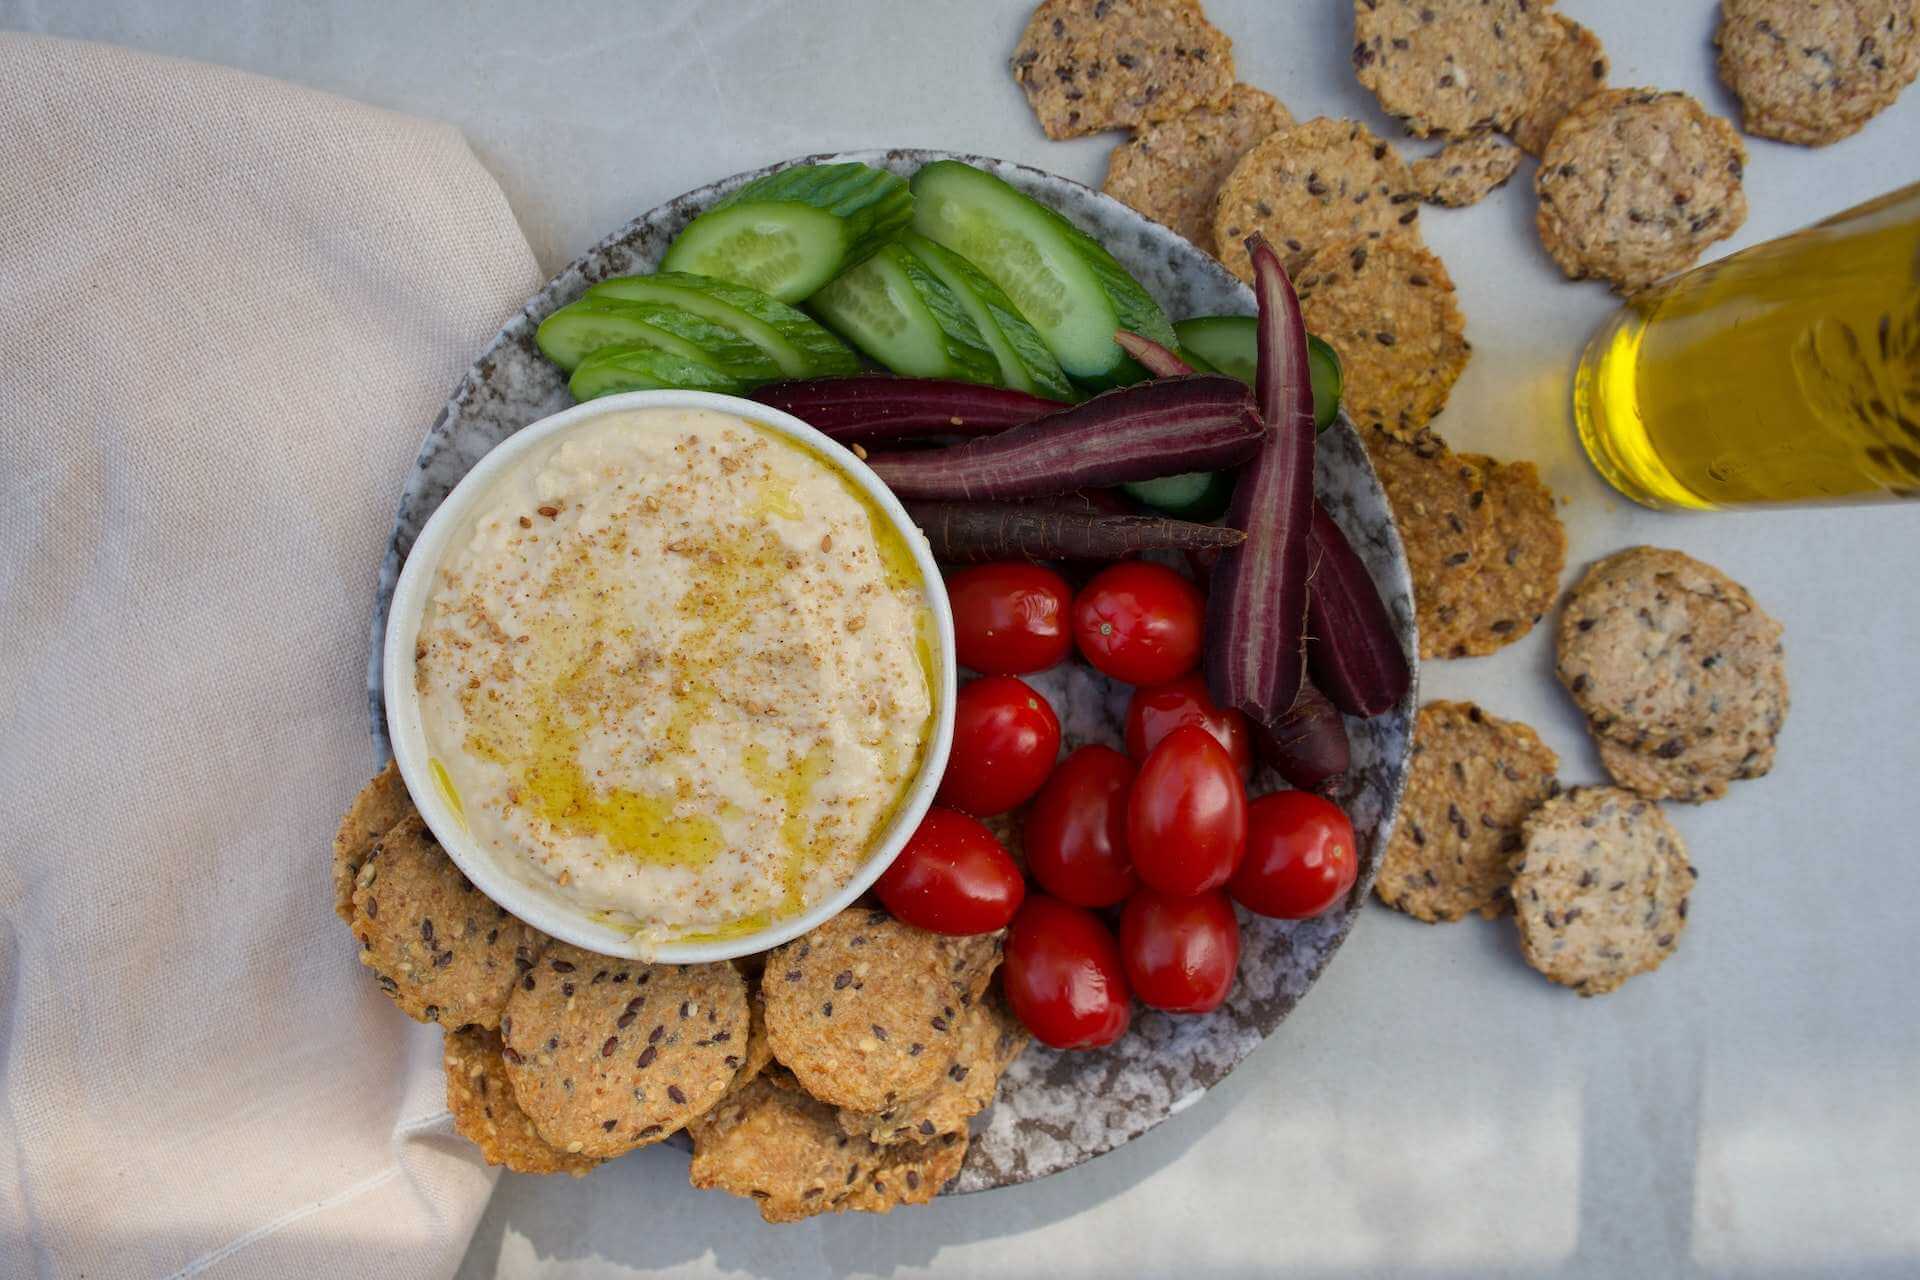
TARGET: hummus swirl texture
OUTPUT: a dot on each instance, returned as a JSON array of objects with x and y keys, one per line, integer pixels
[{"x": 678, "y": 666}]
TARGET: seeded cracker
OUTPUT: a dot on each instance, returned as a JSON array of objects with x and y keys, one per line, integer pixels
[
  {"x": 1172, "y": 171},
  {"x": 1389, "y": 310},
  {"x": 1814, "y": 71},
  {"x": 1463, "y": 172},
  {"x": 376, "y": 810},
  {"x": 1437, "y": 499},
  {"x": 1521, "y": 551},
  {"x": 1600, "y": 888},
  {"x": 1474, "y": 778},
  {"x": 1310, "y": 184},
  {"x": 487, "y": 1114},
  {"x": 1088, "y": 65},
  {"x": 607, "y": 1055},
  {"x": 1576, "y": 69},
  {"x": 787, "y": 1151},
  {"x": 445, "y": 952},
  {"x": 1635, "y": 184},
  {"x": 864, "y": 1010},
  {"x": 1680, "y": 674},
  {"x": 1453, "y": 67},
  {"x": 990, "y": 1038}
]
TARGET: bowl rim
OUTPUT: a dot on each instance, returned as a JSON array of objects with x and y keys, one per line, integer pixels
[{"x": 543, "y": 908}]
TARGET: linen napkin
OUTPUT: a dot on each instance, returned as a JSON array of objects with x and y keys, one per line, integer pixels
[{"x": 229, "y": 308}]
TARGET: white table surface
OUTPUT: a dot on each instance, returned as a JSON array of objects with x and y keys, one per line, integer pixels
[{"x": 1433, "y": 1107}]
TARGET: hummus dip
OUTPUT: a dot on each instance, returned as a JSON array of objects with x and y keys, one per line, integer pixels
[{"x": 680, "y": 667}]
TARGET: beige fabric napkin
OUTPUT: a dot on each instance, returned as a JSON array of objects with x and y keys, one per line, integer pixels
[{"x": 229, "y": 308}]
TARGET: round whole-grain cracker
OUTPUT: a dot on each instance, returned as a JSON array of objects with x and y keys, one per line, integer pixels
[
  {"x": 1088, "y": 65},
  {"x": 1388, "y": 308},
  {"x": 1635, "y": 184},
  {"x": 1575, "y": 70},
  {"x": 989, "y": 1039},
  {"x": 444, "y": 951},
  {"x": 1309, "y": 185},
  {"x": 376, "y": 810},
  {"x": 1454, "y": 67},
  {"x": 1814, "y": 71},
  {"x": 488, "y": 1115},
  {"x": 788, "y": 1152},
  {"x": 865, "y": 1010},
  {"x": 1437, "y": 499},
  {"x": 607, "y": 1055},
  {"x": 1600, "y": 888},
  {"x": 1516, "y": 568},
  {"x": 1473, "y": 780},
  {"x": 1172, "y": 171},
  {"x": 1676, "y": 666},
  {"x": 1463, "y": 172}
]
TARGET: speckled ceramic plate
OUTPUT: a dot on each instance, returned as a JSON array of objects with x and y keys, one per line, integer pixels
[{"x": 1054, "y": 1110}]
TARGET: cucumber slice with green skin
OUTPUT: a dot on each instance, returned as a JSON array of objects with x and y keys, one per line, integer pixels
[
  {"x": 1025, "y": 363},
  {"x": 1067, "y": 286},
  {"x": 1199, "y": 496},
  {"x": 1227, "y": 342},
  {"x": 793, "y": 340},
  {"x": 1197, "y": 363},
  {"x": 577, "y": 330},
  {"x": 899, "y": 313},
  {"x": 790, "y": 232},
  {"x": 637, "y": 367}
]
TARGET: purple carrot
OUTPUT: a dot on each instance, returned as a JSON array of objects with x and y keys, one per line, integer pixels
[
  {"x": 973, "y": 532},
  {"x": 1351, "y": 645},
  {"x": 880, "y": 407},
  {"x": 1153, "y": 357},
  {"x": 1166, "y": 427},
  {"x": 1307, "y": 743},
  {"x": 1257, "y": 602}
]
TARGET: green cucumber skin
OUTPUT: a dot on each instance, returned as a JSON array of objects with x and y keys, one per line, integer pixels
[
  {"x": 1229, "y": 343},
  {"x": 865, "y": 206},
  {"x": 947, "y": 341},
  {"x": 793, "y": 339},
  {"x": 635, "y": 367},
  {"x": 578, "y": 329},
  {"x": 1199, "y": 496},
  {"x": 1025, "y": 363},
  {"x": 1098, "y": 296}
]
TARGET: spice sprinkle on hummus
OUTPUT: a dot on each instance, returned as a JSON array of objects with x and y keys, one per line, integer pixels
[{"x": 679, "y": 666}]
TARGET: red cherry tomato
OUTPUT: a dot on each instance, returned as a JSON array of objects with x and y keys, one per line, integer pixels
[
  {"x": 1157, "y": 711},
  {"x": 1139, "y": 622},
  {"x": 1180, "y": 953},
  {"x": 1076, "y": 831},
  {"x": 1010, "y": 618},
  {"x": 1005, "y": 738},
  {"x": 952, "y": 876},
  {"x": 1187, "y": 815},
  {"x": 1063, "y": 976},
  {"x": 1300, "y": 858}
]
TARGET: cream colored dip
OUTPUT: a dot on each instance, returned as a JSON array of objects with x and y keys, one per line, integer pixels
[{"x": 680, "y": 667}]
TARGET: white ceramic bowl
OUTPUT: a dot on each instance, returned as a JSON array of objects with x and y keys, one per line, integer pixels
[{"x": 524, "y": 891}]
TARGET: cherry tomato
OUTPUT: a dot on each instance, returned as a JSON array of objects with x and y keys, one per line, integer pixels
[
  {"x": 1154, "y": 712},
  {"x": 952, "y": 876},
  {"x": 1076, "y": 831},
  {"x": 1139, "y": 622},
  {"x": 1300, "y": 858},
  {"x": 1187, "y": 815},
  {"x": 1180, "y": 953},
  {"x": 1063, "y": 976},
  {"x": 1005, "y": 738},
  {"x": 1010, "y": 618}
]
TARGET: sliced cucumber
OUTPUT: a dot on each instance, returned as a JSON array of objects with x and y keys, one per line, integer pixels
[
  {"x": 577, "y": 330},
  {"x": 1058, "y": 277},
  {"x": 1198, "y": 495},
  {"x": 637, "y": 367},
  {"x": 790, "y": 232},
  {"x": 794, "y": 341},
  {"x": 1195, "y": 362},
  {"x": 1025, "y": 363},
  {"x": 898, "y": 312},
  {"x": 1229, "y": 344}
]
